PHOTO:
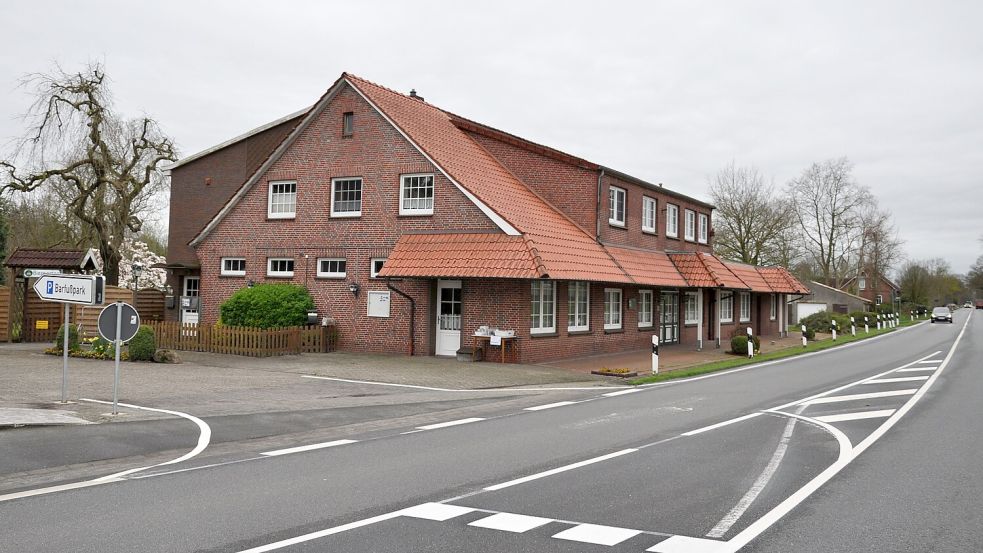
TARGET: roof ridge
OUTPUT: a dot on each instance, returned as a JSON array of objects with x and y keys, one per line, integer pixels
[
  {"x": 720, "y": 283},
  {"x": 536, "y": 258}
]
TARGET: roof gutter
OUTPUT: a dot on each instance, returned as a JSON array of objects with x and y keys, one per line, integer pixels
[{"x": 646, "y": 184}]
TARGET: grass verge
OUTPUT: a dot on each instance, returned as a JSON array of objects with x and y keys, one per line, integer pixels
[{"x": 770, "y": 356}]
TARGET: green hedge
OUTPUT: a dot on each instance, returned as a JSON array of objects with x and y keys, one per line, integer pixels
[
  {"x": 268, "y": 306},
  {"x": 738, "y": 345},
  {"x": 73, "y": 338},
  {"x": 143, "y": 344},
  {"x": 823, "y": 322}
]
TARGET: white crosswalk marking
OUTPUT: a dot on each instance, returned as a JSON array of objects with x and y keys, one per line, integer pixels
[
  {"x": 436, "y": 511},
  {"x": 893, "y": 380},
  {"x": 511, "y": 522},
  {"x": 918, "y": 369},
  {"x": 597, "y": 534},
  {"x": 854, "y": 397},
  {"x": 856, "y": 416},
  {"x": 686, "y": 544}
]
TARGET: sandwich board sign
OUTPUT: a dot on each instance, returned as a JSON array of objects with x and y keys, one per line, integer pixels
[{"x": 77, "y": 289}]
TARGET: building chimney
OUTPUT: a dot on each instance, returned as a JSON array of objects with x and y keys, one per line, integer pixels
[{"x": 414, "y": 95}]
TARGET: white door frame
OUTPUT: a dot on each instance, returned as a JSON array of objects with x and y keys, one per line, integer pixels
[
  {"x": 186, "y": 312},
  {"x": 447, "y": 342}
]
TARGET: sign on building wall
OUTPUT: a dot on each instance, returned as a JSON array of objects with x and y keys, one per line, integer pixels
[{"x": 378, "y": 304}]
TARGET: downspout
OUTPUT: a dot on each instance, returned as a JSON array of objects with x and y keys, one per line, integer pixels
[
  {"x": 412, "y": 312},
  {"x": 597, "y": 206}
]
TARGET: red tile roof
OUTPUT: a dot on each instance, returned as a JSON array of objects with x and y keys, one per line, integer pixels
[
  {"x": 692, "y": 268},
  {"x": 489, "y": 255},
  {"x": 646, "y": 267},
  {"x": 782, "y": 281},
  {"x": 46, "y": 259},
  {"x": 750, "y": 276}
]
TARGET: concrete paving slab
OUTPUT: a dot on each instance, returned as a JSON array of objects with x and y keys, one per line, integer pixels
[{"x": 13, "y": 416}]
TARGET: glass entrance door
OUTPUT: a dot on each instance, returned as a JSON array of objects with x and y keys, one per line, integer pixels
[
  {"x": 669, "y": 314},
  {"x": 448, "y": 317}
]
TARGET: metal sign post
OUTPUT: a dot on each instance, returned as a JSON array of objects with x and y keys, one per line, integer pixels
[
  {"x": 118, "y": 323},
  {"x": 64, "y": 369}
]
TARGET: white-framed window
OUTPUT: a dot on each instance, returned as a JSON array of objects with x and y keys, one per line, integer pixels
[
  {"x": 346, "y": 197},
  {"x": 279, "y": 267},
  {"x": 862, "y": 283},
  {"x": 233, "y": 266},
  {"x": 648, "y": 214},
  {"x": 878, "y": 299},
  {"x": 283, "y": 200},
  {"x": 616, "y": 206},
  {"x": 672, "y": 220},
  {"x": 773, "y": 314},
  {"x": 704, "y": 229},
  {"x": 347, "y": 123},
  {"x": 690, "y": 229},
  {"x": 375, "y": 265},
  {"x": 645, "y": 308},
  {"x": 543, "y": 318},
  {"x": 612, "y": 308},
  {"x": 745, "y": 307},
  {"x": 691, "y": 313},
  {"x": 416, "y": 195},
  {"x": 333, "y": 267},
  {"x": 578, "y": 306},
  {"x": 727, "y": 307}
]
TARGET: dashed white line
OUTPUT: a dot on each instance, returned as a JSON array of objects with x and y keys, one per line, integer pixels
[
  {"x": 558, "y": 470},
  {"x": 854, "y": 397},
  {"x": 856, "y": 416},
  {"x": 449, "y": 423},
  {"x": 307, "y": 448},
  {"x": 323, "y": 533},
  {"x": 719, "y": 424},
  {"x": 597, "y": 534},
  {"x": 511, "y": 522},
  {"x": 549, "y": 406},
  {"x": 900, "y": 379},
  {"x": 621, "y": 392}
]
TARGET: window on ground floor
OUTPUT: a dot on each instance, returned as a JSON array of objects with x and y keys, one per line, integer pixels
[
  {"x": 612, "y": 308},
  {"x": 727, "y": 307},
  {"x": 280, "y": 267},
  {"x": 543, "y": 307},
  {"x": 645, "y": 308},
  {"x": 331, "y": 268},
  {"x": 691, "y": 314},
  {"x": 578, "y": 304},
  {"x": 773, "y": 313},
  {"x": 745, "y": 307},
  {"x": 233, "y": 266}
]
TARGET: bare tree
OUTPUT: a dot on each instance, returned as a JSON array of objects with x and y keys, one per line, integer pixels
[
  {"x": 106, "y": 167},
  {"x": 752, "y": 221},
  {"x": 828, "y": 205},
  {"x": 879, "y": 246}
]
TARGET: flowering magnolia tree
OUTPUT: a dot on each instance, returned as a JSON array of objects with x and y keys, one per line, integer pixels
[{"x": 137, "y": 252}]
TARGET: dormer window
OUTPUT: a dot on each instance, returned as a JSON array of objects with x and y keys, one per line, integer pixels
[
  {"x": 347, "y": 124},
  {"x": 616, "y": 206}
]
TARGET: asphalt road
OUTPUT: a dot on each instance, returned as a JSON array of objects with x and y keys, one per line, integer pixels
[{"x": 870, "y": 447}]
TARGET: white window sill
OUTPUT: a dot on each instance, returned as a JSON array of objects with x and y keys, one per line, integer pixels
[
  {"x": 612, "y": 327},
  {"x": 421, "y": 213},
  {"x": 578, "y": 328},
  {"x": 281, "y": 215},
  {"x": 691, "y": 322},
  {"x": 644, "y": 325},
  {"x": 346, "y": 215},
  {"x": 332, "y": 275},
  {"x": 726, "y": 320},
  {"x": 616, "y": 223},
  {"x": 535, "y": 331},
  {"x": 234, "y": 274},
  {"x": 648, "y": 230},
  {"x": 280, "y": 275}
]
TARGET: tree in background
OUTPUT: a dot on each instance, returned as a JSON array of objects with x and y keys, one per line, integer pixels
[
  {"x": 106, "y": 167},
  {"x": 974, "y": 279},
  {"x": 931, "y": 283},
  {"x": 752, "y": 223},
  {"x": 4, "y": 233},
  {"x": 828, "y": 205},
  {"x": 879, "y": 247}
]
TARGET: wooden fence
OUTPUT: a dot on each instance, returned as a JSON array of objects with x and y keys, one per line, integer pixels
[
  {"x": 4, "y": 313},
  {"x": 252, "y": 342}
]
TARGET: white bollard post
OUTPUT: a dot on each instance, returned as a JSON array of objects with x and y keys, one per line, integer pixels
[
  {"x": 866, "y": 325},
  {"x": 804, "y": 339},
  {"x": 655, "y": 355},
  {"x": 853, "y": 326},
  {"x": 834, "y": 328},
  {"x": 750, "y": 344},
  {"x": 878, "y": 321}
]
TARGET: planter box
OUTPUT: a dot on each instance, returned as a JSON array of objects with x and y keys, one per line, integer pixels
[{"x": 619, "y": 375}]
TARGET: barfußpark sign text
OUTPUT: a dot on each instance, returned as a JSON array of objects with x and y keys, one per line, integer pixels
[{"x": 78, "y": 289}]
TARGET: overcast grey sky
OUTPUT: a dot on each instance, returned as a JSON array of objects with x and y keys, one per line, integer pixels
[{"x": 666, "y": 91}]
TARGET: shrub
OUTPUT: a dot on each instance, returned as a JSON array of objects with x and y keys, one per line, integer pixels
[
  {"x": 73, "y": 338},
  {"x": 267, "y": 306},
  {"x": 822, "y": 322},
  {"x": 738, "y": 345},
  {"x": 858, "y": 317},
  {"x": 143, "y": 344}
]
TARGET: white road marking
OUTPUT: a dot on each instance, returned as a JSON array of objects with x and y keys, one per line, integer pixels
[
  {"x": 449, "y": 423},
  {"x": 510, "y": 522},
  {"x": 854, "y": 397},
  {"x": 719, "y": 424},
  {"x": 549, "y": 406},
  {"x": 436, "y": 511},
  {"x": 53, "y": 489},
  {"x": 622, "y": 392},
  {"x": 930, "y": 361},
  {"x": 686, "y": 544},
  {"x": 900, "y": 379},
  {"x": 738, "y": 511},
  {"x": 551, "y": 472},
  {"x": 856, "y": 416},
  {"x": 307, "y": 447},
  {"x": 595, "y": 533},
  {"x": 323, "y": 533},
  {"x": 917, "y": 369}
]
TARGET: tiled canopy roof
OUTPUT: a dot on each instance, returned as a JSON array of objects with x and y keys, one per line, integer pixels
[
  {"x": 47, "y": 259},
  {"x": 749, "y": 275},
  {"x": 646, "y": 267},
  {"x": 489, "y": 255},
  {"x": 704, "y": 270},
  {"x": 781, "y": 280}
]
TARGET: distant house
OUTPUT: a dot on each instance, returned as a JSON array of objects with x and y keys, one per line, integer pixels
[
  {"x": 388, "y": 208},
  {"x": 825, "y": 298},
  {"x": 874, "y": 287}
]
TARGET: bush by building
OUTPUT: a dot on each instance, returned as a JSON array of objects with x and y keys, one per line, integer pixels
[
  {"x": 823, "y": 322},
  {"x": 267, "y": 306},
  {"x": 738, "y": 345},
  {"x": 142, "y": 346},
  {"x": 73, "y": 339}
]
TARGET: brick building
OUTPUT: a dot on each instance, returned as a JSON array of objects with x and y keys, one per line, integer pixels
[
  {"x": 874, "y": 287},
  {"x": 412, "y": 227}
]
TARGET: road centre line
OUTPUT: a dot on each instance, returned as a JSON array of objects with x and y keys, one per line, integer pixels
[
  {"x": 854, "y": 397},
  {"x": 449, "y": 423},
  {"x": 882, "y": 414},
  {"x": 307, "y": 448},
  {"x": 719, "y": 424},
  {"x": 893, "y": 380},
  {"x": 558, "y": 470},
  {"x": 549, "y": 405},
  {"x": 917, "y": 369}
]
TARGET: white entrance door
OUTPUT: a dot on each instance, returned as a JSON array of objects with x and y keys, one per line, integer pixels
[
  {"x": 448, "y": 317},
  {"x": 190, "y": 316}
]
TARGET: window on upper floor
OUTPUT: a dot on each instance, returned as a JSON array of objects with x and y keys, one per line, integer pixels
[
  {"x": 416, "y": 195},
  {"x": 704, "y": 230},
  {"x": 347, "y": 124},
  {"x": 578, "y": 306},
  {"x": 331, "y": 268},
  {"x": 616, "y": 206},
  {"x": 282, "y": 200},
  {"x": 648, "y": 214},
  {"x": 862, "y": 283},
  {"x": 346, "y": 197},
  {"x": 672, "y": 220},
  {"x": 280, "y": 267},
  {"x": 233, "y": 266},
  {"x": 690, "y": 221},
  {"x": 375, "y": 265},
  {"x": 543, "y": 307}
]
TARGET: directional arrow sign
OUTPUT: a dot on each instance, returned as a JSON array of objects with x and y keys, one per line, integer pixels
[{"x": 80, "y": 289}]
